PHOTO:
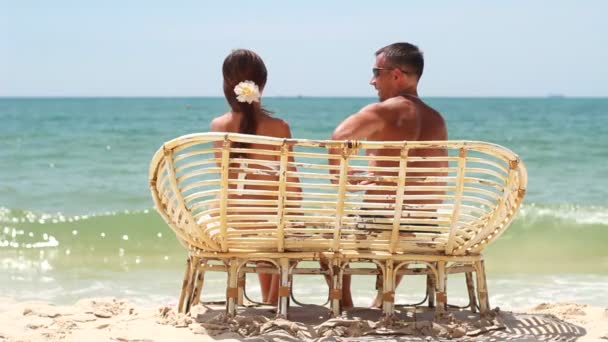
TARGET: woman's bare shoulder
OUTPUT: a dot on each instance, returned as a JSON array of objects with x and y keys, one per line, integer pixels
[
  {"x": 274, "y": 127},
  {"x": 222, "y": 123}
]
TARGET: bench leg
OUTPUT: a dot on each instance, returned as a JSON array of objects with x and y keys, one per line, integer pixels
[
  {"x": 284, "y": 288},
  {"x": 471, "y": 291},
  {"x": 441, "y": 295},
  {"x": 232, "y": 291},
  {"x": 335, "y": 293},
  {"x": 430, "y": 289},
  {"x": 198, "y": 282},
  {"x": 241, "y": 285},
  {"x": 482, "y": 290},
  {"x": 190, "y": 280},
  {"x": 388, "y": 296},
  {"x": 184, "y": 293}
]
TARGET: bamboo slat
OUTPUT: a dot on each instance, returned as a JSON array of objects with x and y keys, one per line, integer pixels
[
  {"x": 187, "y": 215},
  {"x": 200, "y": 165},
  {"x": 185, "y": 155},
  {"x": 282, "y": 197},
  {"x": 457, "y": 199},
  {"x": 342, "y": 182},
  {"x": 224, "y": 192}
]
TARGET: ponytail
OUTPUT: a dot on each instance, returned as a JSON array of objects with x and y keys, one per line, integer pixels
[{"x": 248, "y": 123}]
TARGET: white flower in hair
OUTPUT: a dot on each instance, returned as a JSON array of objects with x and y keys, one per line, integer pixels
[{"x": 247, "y": 91}]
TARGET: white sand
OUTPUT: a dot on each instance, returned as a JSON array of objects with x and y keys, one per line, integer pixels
[{"x": 110, "y": 319}]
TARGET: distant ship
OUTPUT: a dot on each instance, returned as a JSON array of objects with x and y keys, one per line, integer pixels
[{"x": 555, "y": 96}]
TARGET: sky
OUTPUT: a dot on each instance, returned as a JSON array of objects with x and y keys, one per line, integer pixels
[{"x": 311, "y": 48}]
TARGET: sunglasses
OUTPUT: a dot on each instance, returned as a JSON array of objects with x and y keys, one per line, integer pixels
[{"x": 376, "y": 71}]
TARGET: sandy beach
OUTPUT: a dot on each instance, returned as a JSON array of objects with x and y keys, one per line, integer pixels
[{"x": 112, "y": 319}]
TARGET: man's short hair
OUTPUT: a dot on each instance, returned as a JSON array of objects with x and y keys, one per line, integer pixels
[{"x": 404, "y": 55}]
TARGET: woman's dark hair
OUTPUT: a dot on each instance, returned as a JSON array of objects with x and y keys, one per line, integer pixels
[{"x": 244, "y": 65}]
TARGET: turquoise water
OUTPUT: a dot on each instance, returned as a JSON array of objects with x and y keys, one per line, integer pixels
[{"x": 76, "y": 217}]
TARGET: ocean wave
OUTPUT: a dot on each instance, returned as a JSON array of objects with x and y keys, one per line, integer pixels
[
  {"x": 36, "y": 246},
  {"x": 567, "y": 213},
  {"x": 8, "y": 215},
  {"x": 106, "y": 233}
]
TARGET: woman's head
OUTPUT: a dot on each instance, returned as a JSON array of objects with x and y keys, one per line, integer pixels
[{"x": 239, "y": 66}]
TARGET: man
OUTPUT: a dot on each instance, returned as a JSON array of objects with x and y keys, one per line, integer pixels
[{"x": 400, "y": 115}]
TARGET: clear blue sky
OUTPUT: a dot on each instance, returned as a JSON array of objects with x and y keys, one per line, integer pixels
[{"x": 322, "y": 48}]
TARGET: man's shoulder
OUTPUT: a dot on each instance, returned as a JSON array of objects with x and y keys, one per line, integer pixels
[
  {"x": 416, "y": 104},
  {"x": 389, "y": 105},
  {"x": 399, "y": 103},
  {"x": 403, "y": 108}
]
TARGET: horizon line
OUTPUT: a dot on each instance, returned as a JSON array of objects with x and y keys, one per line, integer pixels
[{"x": 550, "y": 96}]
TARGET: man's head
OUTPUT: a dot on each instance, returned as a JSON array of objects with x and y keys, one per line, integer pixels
[{"x": 397, "y": 69}]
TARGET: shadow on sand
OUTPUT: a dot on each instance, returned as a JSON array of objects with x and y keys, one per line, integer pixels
[{"x": 312, "y": 323}]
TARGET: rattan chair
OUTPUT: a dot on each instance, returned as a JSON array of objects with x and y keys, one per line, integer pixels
[{"x": 243, "y": 203}]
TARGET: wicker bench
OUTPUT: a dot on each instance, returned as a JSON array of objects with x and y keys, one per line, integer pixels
[{"x": 279, "y": 201}]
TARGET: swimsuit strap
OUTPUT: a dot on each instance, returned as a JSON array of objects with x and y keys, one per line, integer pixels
[{"x": 242, "y": 175}]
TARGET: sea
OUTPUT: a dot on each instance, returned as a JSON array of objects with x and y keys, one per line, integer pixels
[{"x": 77, "y": 219}]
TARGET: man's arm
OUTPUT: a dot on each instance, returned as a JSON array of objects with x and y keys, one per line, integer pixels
[
  {"x": 372, "y": 120},
  {"x": 358, "y": 126}
]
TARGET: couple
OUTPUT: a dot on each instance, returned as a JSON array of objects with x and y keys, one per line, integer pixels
[{"x": 400, "y": 115}]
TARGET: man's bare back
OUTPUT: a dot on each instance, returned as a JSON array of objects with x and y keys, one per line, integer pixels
[{"x": 399, "y": 116}]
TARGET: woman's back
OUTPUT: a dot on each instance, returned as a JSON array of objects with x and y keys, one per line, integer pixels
[{"x": 267, "y": 164}]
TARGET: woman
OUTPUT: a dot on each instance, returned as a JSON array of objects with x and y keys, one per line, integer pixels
[{"x": 244, "y": 80}]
